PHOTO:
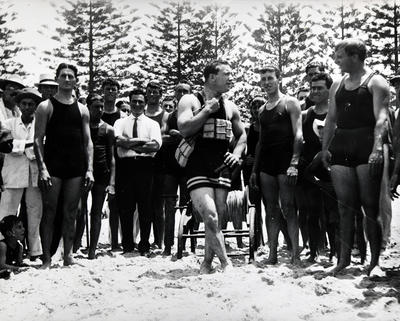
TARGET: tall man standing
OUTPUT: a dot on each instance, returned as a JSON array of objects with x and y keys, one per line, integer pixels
[
  {"x": 352, "y": 145},
  {"x": 277, "y": 156},
  {"x": 111, "y": 113},
  {"x": 155, "y": 112},
  {"x": 138, "y": 138},
  {"x": 65, "y": 160},
  {"x": 208, "y": 166}
]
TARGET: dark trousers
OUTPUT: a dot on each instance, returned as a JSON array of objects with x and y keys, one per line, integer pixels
[
  {"x": 171, "y": 183},
  {"x": 157, "y": 216},
  {"x": 133, "y": 184}
]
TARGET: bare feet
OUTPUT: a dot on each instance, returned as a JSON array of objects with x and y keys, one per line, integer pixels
[
  {"x": 227, "y": 266},
  {"x": 375, "y": 271},
  {"x": 206, "y": 268}
]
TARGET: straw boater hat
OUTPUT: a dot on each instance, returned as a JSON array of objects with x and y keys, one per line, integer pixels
[
  {"x": 46, "y": 79},
  {"x": 28, "y": 93},
  {"x": 13, "y": 79}
]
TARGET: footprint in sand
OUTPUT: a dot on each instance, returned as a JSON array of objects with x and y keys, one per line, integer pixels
[{"x": 365, "y": 315}]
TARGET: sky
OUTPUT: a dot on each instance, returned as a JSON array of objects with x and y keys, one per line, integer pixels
[{"x": 34, "y": 13}]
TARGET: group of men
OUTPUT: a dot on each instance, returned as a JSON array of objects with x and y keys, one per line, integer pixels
[{"x": 300, "y": 157}]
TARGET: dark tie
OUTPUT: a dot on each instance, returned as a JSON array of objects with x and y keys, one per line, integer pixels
[{"x": 134, "y": 129}]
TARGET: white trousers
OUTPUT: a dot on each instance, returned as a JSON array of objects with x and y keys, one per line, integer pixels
[{"x": 10, "y": 201}]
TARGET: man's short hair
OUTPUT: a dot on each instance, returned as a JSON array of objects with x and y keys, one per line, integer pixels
[
  {"x": 64, "y": 65},
  {"x": 353, "y": 46},
  {"x": 137, "y": 91},
  {"x": 315, "y": 64},
  {"x": 181, "y": 84},
  {"x": 257, "y": 99},
  {"x": 323, "y": 76},
  {"x": 110, "y": 82},
  {"x": 8, "y": 223},
  {"x": 92, "y": 98},
  {"x": 154, "y": 85},
  {"x": 213, "y": 68},
  {"x": 270, "y": 68},
  {"x": 302, "y": 89}
]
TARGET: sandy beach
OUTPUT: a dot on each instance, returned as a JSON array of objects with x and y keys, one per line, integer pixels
[{"x": 131, "y": 287}]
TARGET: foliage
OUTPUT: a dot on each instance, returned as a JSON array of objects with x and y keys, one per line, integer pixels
[{"x": 9, "y": 47}]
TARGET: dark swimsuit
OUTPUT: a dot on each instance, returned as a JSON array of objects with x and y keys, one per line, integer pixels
[
  {"x": 11, "y": 254},
  {"x": 64, "y": 153},
  {"x": 276, "y": 140},
  {"x": 354, "y": 136},
  {"x": 312, "y": 145},
  {"x": 171, "y": 165},
  {"x": 209, "y": 152},
  {"x": 101, "y": 155}
]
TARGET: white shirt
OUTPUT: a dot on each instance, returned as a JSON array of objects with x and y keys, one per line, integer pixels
[
  {"x": 20, "y": 169},
  {"x": 146, "y": 129},
  {"x": 6, "y": 113}
]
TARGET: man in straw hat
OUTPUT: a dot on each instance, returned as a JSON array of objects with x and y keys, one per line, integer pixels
[
  {"x": 20, "y": 170},
  {"x": 10, "y": 84},
  {"x": 47, "y": 86}
]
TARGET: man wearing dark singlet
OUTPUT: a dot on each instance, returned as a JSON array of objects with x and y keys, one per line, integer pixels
[
  {"x": 320, "y": 84},
  {"x": 174, "y": 174},
  {"x": 65, "y": 159},
  {"x": 155, "y": 112},
  {"x": 277, "y": 156},
  {"x": 352, "y": 146},
  {"x": 102, "y": 135},
  {"x": 253, "y": 134},
  {"x": 110, "y": 88},
  {"x": 208, "y": 166}
]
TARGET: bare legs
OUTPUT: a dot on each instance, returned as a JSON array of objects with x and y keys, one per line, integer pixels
[
  {"x": 71, "y": 189},
  {"x": 279, "y": 198},
  {"x": 354, "y": 186},
  {"x": 210, "y": 204}
]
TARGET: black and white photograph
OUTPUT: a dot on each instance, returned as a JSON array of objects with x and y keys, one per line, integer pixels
[{"x": 199, "y": 160}]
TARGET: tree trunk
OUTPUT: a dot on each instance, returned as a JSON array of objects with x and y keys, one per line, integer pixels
[
  {"x": 396, "y": 45},
  {"x": 91, "y": 73},
  {"x": 179, "y": 43}
]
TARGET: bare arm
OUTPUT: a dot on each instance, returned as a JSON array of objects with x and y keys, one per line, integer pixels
[
  {"x": 188, "y": 123},
  {"x": 330, "y": 124},
  {"x": 294, "y": 110},
  {"x": 3, "y": 265},
  {"x": 110, "y": 152},
  {"x": 42, "y": 116},
  {"x": 88, "y": 145},
  {"x": 381, "y": 96}
]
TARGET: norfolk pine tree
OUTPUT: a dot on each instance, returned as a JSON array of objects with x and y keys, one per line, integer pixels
[{"x": 94, "y": 36}]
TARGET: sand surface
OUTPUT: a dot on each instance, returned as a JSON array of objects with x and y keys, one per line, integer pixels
[{"x": 131, "y": 287}]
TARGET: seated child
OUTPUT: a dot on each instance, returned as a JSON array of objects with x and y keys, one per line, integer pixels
[{"x": 11, "y": 247}]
